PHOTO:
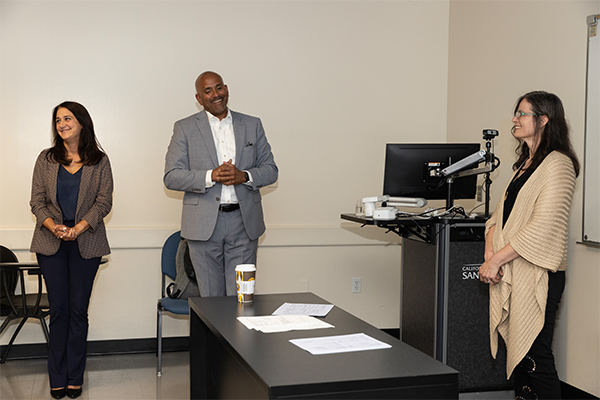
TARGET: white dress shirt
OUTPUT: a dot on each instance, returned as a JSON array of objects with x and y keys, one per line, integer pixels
[{"x": 222, "y": 131}]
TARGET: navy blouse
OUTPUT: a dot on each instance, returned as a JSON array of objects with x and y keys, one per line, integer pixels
[{"x": 67, "y": 192}]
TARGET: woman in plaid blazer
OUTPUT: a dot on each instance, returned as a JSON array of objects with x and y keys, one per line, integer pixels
[{"x": 70, "y": 196}]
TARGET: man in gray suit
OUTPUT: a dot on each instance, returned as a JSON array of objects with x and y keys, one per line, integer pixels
[{"x": 220, "y": 159}]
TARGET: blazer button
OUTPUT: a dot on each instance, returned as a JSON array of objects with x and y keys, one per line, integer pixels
[{"x": 218, "y": 199}]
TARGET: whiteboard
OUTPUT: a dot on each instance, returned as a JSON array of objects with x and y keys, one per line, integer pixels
[{"x": 591, "y": 172}]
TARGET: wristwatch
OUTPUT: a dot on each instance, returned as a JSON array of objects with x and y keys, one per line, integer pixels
[{"x": 247, "y": 177}]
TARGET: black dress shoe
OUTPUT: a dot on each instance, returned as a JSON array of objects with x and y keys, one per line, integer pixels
[
  {"x": 58, "y": 393},
  {"x": 74, "y": 393}
]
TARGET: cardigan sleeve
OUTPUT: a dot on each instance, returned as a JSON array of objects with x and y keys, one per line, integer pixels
[
  {"x": 491, "y": 222},
  {"x": 39, "y": 200},
  {"x": 543, "y": 240}
]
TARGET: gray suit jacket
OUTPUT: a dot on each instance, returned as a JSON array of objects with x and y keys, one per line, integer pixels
[
  {"x": 94, "y": 202},
  {"x": 192, "y": 152}
]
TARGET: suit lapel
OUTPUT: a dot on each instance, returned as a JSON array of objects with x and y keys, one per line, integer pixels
[
  {"x": 84, "y": 186},
  {"x": 53, "y": 167},
  {"x": 239, "y": 131},
  {"x": 206, "y": 136}
]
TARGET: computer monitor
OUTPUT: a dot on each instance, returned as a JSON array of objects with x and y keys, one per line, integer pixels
[{"x": 408, "y": 170}]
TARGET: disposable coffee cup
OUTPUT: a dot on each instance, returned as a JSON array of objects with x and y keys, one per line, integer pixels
[{"x": 245, "y": 278}]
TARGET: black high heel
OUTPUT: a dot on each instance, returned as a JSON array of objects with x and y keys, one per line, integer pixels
[
  {"x": 74, "y": 393},
  {"x": 58, "y": 393}
]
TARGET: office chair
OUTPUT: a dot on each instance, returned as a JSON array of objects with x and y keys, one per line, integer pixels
[
  {"x": 175, "y": 306},
  {"x": 8, "y": 281},
  {"x": 20, "y": 306}
]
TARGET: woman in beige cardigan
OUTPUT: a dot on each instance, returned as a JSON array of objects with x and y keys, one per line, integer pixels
[{"x": 526, "y": 245}]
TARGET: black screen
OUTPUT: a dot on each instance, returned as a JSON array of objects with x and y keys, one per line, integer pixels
[{"x": 407, "y": 170}]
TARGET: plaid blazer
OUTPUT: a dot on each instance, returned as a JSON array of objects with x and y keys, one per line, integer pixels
[{"x": 93, "y": 204}]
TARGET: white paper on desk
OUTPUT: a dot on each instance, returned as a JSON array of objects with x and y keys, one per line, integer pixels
[
  {"x": 339, "y": 344},
  {"x": 283, "y": 323},
  {"x": 314, "y": 310}
]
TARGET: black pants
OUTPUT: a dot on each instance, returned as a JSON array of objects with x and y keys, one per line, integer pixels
[
  {"x": 69, "y": 280},
  {"x": 536, "y": 376}
]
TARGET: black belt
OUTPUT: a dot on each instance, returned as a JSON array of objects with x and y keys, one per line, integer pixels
[{"x": 229, "y": 207}]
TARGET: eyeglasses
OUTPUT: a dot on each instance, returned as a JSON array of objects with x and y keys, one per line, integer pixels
[{"x": 519, "y": 114}]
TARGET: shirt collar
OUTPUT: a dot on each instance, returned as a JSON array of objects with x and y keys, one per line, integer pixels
[{"x": 213, "y": 119}]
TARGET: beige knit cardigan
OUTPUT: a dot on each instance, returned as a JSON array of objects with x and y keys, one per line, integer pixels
[{"x": 537, "y": 229}]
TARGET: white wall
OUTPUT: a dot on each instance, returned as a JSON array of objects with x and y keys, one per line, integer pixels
[
  {"x": 332, "y": 81},
  {"x": 500, "y": 50}
]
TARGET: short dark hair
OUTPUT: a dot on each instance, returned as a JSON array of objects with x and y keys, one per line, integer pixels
[
  {"x": 89, "y": 149},
  {"x": 555, "y": 135}
]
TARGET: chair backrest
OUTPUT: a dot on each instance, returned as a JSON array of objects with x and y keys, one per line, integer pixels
[
  {"x": 6, "y": 255},
  {"x": 8, "y": 279},
  {"x": 169, "y": 252}
]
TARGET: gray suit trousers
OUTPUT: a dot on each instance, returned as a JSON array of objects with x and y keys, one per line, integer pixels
[{"x": 215, "y": 259}]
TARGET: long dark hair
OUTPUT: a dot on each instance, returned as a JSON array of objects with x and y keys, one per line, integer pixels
[
  {"x": 555, "y": 134},
  {"x": 89, "y": 149}
]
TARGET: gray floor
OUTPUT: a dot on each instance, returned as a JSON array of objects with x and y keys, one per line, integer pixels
[
  {"x": 106, "y": 377},
  {"x": 124, "y": 377}
]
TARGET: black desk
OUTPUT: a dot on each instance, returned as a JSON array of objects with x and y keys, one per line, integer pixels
[
  {"x": 229, "y": 361},
  {"x": 423, "y": 229}
]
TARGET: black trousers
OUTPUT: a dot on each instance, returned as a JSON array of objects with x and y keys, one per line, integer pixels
[
  {"x": 536, "y": 376},
  {"x": 69, "y": 280}
]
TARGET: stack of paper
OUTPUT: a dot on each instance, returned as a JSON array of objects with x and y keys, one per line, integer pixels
[
  {"x": 340, "y": 344},
  {"x": 315, "y": 310},
  {"x": 280, "y": 323}
]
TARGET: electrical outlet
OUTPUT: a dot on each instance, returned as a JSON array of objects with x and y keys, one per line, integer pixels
[
  {"x": 479, "y": 192},
  {"x": 356, "y": 285}
]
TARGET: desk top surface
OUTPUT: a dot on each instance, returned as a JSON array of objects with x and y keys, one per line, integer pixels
[
  {"x": 411, "y": 221},
  {"x": 277, "y": 362}
]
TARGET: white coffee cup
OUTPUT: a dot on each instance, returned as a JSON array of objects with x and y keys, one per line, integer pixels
[{"x": 245, "y": 275}]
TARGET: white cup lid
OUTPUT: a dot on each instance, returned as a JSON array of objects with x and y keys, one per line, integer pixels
[{"x": 245, "y": 267}]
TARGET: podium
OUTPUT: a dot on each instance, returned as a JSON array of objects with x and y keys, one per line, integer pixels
[{"x": 444, "y": 308}]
